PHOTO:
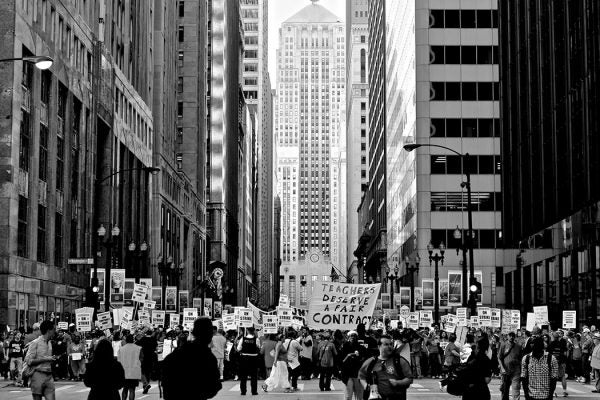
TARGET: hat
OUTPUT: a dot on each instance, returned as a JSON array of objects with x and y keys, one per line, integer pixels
[
  {"x": 353, "y": 333},
  {"x": 586, "y": 330}
]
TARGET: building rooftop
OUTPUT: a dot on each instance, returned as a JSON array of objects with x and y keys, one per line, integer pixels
[{"x": 313, "y": 13}]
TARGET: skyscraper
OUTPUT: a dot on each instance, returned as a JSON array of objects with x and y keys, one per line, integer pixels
[
  {"x": 357, "y": 173},
  {"x": 311, "y": 94}
]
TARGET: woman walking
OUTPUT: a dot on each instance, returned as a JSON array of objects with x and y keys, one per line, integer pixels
[
  {"x": 131, "y": 357},
  {"x": 279, "y": 373},
  {"x": 105, "y": 375},
  {"x": 479, "y": 374},
  {"x": 76, "y": 353}
]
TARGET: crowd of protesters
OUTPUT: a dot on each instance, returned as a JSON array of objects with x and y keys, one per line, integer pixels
[{"x": 282, "y": 359}]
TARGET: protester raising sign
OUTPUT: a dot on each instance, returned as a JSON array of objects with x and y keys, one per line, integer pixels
[
  {"x": 173, "y": 320},
  {"x": 245, "y": 315},
  {"x": 284, "y": 316},
  {"x": 569, "y": 319},
  {"x": 341, "y": 305},
  {"x": 269, "y": 324},
  {"x": 229, "y": 322},
  {"x": 104, "y": 320}
]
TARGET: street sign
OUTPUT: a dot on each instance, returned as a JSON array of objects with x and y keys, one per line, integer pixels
[
  {"x": 404, "y": 312},
  {"x": 84, "y": 261}
]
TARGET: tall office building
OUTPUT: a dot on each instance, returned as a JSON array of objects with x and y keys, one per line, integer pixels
[
  {"x": 440, "y": 73},
  {"x": 257, "y": 92},
  {"x": 310, "y": 106},
  {"x": 225, "y": 146},
  {"x": 357, "y": 174},
  {"x": 549, "y": 63}
]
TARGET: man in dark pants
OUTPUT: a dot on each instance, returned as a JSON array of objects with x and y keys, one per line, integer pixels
[
  {"x": 510, "y": 356},
  {"x": 249, "y": 349}
]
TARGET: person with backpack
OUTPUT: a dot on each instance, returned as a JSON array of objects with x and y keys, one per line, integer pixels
[
  {"x": 249, "y": 349},
  {"x": 389, "y": 374},
  {"x": 293, "y": 349},
  {"x": 192, "y": 367},
  {"x": 327, "y": 354},
  {"x": 509, "y": 358},
  {"x": 539, "y": 372}
]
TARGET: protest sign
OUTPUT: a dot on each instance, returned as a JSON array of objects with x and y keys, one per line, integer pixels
[
  {"x": 495, "y": 315},
  {"x": 461, "y": 334},
  {"x": 425, "y": 318},
  {"x": 189, "y": 316},
  {"x": 336, "y": 305},
  {"x": 515, "y": 317},
  {"x": 284, "y": 316},
  {"x": 245, "y": 315},
  {"x": 451, "y": 323},
  {"x": 569, "y": 319},
  {"x": 530, "y": 321},
  {"x": 149, "y": 304},
  {"x": 404, "y": 312},
  {"x": 229, "y": 322},
  {"x": 173, "y": 320},
  {"x": 394, "y": 324},
  {"x": 397, "y": 300},
  {"x": 297, "y": 322},
  {"x": 284, "y": 300},
  {"x": 126, "y": 317},
  {"x": 507, "y": 321},
  {"x": 144, "y": 317},
  {"x": 117, "y": 286},
  {"x": 63, "y": 325},
  {"x": 475, "y": 321},
  {"x": 485, "y": 316},
  {"x": 158, "y": 318},
  {"x": 139, "y": 292},
  {"x": 83, "y": 321},
  {"x": 269, "y": 324},
  {"x": 257, "y": 313},
  {"x": 461, "y": 314},
  {"x": 104, "y": 320},
  {"x": 418, "y": 297},
  {"x": 413, "y": 320},
  {"x": 541, "y": 315}
]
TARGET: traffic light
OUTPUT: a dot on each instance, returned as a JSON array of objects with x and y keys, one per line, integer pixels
[
  {"x": 91, "y": 294},
  {"x": 474, "y": 293}
]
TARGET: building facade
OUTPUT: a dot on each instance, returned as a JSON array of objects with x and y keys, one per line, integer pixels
[
  {"x": 257, "y": 92},
  {"x": 550, "y": 94},
  {"x": 357, "y": 171},
  {"x": 225, "y": 146}
]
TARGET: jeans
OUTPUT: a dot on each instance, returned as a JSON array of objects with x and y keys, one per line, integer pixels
[
  {"x": 306, "y": 366},
  {"x": 249, "y": 368},
  {"x": 325, "y": 378},
  {"x": 354, "y": 387},
  {"x": 587, "y": 368},
  {"x": 415, "y": 360},
  {"x": 294, "y": 374},
  {"x": 435, "y": 369},
  {"x": 511, "y": 385},
  {"x": 16, "y": 364}
]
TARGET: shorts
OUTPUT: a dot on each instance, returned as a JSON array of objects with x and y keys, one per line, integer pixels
[
  {"x": 131, "y": 383},
  {"x": 42, "y": 383},
  {"x": 561, "y": 370}
]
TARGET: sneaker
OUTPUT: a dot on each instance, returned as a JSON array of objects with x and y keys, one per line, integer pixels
[
  {"x": 288, "y": 390},
  {"x": 264, "y": 388}
]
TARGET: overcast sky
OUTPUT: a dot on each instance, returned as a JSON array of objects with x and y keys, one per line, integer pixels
[{"x": 280, "y": 10}]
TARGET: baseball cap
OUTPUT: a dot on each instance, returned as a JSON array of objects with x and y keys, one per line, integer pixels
[{"x": 353, "y": 333}]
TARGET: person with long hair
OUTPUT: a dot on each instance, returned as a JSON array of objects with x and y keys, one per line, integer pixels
[
  {"x": 104, "y": 375},
  {"x": 479, "y": 371},
  {"x": 279, "y": 373}
]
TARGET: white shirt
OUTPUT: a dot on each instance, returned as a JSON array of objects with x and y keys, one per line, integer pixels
[{"x": 306, "y": 351}]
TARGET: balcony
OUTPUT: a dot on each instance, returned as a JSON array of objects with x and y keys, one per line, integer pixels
[{"x": 23, "y": 182}]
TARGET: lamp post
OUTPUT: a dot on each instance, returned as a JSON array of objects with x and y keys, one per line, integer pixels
[
  {"x": 465, "y": 160},
  {"x": 164, "y": 269},
  {"x": 436, "y": 258},
  {"x": 108, "y": 243},
  {"x": 40, "y": 62},
  {"x": 463, "y": 247},
  {"x": 138, "y": 255},
  {"x": 177, "y": 273},
  {"x": 392, "y": 276},
  {"x": 412, "y": 268}
]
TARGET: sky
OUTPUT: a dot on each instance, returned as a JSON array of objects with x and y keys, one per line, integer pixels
[{"x": 280, "y": 10}]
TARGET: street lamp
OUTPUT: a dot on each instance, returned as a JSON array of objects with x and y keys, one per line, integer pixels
[
  {"x": 177, "y": 273},
  {"x": 392, "y": 275},
  {"x": 412, "y": 268},
  {"x": 108, "y": 243},
  {"x": 41, "y": 62},
  {"x": 164, "y": 269},
  {"x": 139, "y": 257},
  {"x": 436, "y": 258},
  {"x": 465, "y": 164}
]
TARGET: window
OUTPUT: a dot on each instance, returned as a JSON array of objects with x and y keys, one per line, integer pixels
[
  {"x": 499, "y": 276},
  {"x": 60, "y": 162},
  {"x": 41, "y": 234},
  {"x": 180, "y": 84},
  {"x": 181, "y": 9},
  {"x": 469, "y": 91},
  {"x": 469, "y": 128},
  {"x": 484, "y": 19},
  {"x": 292, "y": 293},
  {"x": 468, "y": 54},
  {"x": 484, "y": 54},
  {"x": 22, "y": 227},
  {"x": 281, "y": 284},
  {"x": 181, "y": 34},
  {"x": 180, "y": 58},
  {"x": 303, "y": 295},
  {"x": 436, "y": 18},
  {"x": 437, "y": 55},
  {"x": 24, "y": 134},
  {"x": 180, "y": 109},
  {"x": 453, "y": 90},
  {"x": 453, "y": 127},
  {"x": 452, "y": 19},
  {"x": 43, "y": 162},
  {"x": 58, "y": 240},
  {"x": 467, "y": 19}
]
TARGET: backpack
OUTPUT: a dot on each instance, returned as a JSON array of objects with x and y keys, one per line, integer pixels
[{"x": 369, "y": 371}]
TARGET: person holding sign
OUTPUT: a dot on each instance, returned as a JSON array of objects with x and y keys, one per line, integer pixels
[
  {"x": 76, "y": 351},
  {"x": 249, "y": 349}
]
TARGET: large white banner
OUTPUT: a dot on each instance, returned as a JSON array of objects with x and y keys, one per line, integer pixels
[{"x": 336, "y": 305}]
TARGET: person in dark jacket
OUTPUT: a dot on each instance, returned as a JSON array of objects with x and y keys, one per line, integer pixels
[
  {"x": 479, "y": 374},
  {"x": 353, "y": 357},
  {"x": 191, "y": 371},
  {"x": 104, "y": 375}
]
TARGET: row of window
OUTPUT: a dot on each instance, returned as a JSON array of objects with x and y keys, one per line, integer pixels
[
  {"x": 478, "y": 164},
  {"x": 464, "y": 91},
  {"x": 463, "y": 55},
  {"x": 465, "y": 127},
  {"x": 465, "y": 19},
  {"x": 482, "y": 238},
  {"x": 458, "y": 201}
]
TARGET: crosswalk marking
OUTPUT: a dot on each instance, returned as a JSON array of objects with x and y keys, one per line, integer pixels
[
  {"x": 236, "y": 387},
  {"x": 416, "y": 385},
  {"x": 83, "y": 390},
  {"x": 64, "y": 387}
]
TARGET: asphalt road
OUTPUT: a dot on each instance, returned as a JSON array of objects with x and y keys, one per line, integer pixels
[{"x": 423, "y": 389}]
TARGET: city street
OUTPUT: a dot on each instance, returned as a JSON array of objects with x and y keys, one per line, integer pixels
[{"x": 422, "y": 389}]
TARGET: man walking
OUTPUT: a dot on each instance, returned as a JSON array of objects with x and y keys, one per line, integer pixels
[
  {"x": 249, "y": 349},
  {"x": 510, "y": 356},
  {"x": 15, "y": 356},
  {"x": 39, "y": 358},
  {"x": 130, "y": 357},
  {"x": 539, "y": 372},
  {"x": 306, "y": 353}
]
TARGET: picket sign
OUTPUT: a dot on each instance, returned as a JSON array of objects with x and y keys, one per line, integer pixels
[
  {"x": 569, "y": 319},
  {"x": 495, "y": 317}
]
